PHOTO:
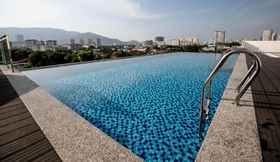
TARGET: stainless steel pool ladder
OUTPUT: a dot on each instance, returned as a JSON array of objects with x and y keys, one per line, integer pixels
[{"x": 241, "y": 89}]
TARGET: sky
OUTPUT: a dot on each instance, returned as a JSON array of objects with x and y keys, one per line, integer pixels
[{"x": 145, "y": 19}]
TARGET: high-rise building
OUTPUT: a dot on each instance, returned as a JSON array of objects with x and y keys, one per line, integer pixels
[
  {"x": 220, "y": 36},
  {"x": 267, "y": 35},
  {"x": 98, "y": 42}
]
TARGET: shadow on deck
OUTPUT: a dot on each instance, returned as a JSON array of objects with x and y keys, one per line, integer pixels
[
  {"x": 21, "y": 139},
  {"x": 266, "y": 96}
]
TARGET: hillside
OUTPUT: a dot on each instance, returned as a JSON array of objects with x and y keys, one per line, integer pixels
[{"x": 62, "y": 36}]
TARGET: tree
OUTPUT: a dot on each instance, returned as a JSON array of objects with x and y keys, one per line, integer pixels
[
  {"x": 38, "y": 58},
  {"x": 20, "y": 54},
  {"x": 86, "y": 54},
  {"x": 75, "y": 57}
]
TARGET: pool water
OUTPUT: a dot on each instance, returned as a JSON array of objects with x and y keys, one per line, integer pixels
[{"x": 148, "y": 104}]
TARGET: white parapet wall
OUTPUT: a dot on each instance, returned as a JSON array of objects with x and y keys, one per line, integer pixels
[{"x": 263, "y": 46}]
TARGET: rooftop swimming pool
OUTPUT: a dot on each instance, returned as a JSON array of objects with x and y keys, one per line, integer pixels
[{"x": 148, "y": 104}]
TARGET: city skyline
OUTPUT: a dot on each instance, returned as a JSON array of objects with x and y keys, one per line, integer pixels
[{"x": 143, "y": 20}]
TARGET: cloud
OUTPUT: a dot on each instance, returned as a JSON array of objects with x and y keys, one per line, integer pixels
[
  {"x": 111, "y": 8},
  {"x": 46, "y": 10}
]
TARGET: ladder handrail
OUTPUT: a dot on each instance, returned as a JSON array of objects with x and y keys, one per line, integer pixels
[{"x": 242, "y": 87}]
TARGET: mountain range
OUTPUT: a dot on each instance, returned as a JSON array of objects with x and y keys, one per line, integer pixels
[{"x": 62, "y": 36}]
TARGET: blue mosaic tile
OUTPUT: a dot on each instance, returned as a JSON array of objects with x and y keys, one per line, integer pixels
[{"x": 149, "y": 105}]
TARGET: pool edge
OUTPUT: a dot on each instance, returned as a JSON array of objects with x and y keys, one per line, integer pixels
[{"x": 233, "y": 133}]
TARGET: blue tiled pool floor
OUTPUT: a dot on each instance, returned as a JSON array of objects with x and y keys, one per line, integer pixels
[{"x": 149, "y": 104}]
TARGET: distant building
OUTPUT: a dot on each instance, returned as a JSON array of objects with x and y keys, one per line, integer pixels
[
  {"x": 65, "y": 46},
  {"x": 51, "y": 44},
  {"x": 32, "y": 43},
  {"x": 195, "y": 41},
  {"x": 148, "y": 43},
  {"x": 267, "y": 35},
  {"x": 159, "y": 40},
  {"x": 90, "y": 41},
  {"x": 82, "y": 42},
  {"x": 35, "y": 44},
  {"x": 220, "y": 36},
  {"x": 173, "y": 42},
  {"x": 72, "y": 41},
  {"x": 188, "y": 41},
  {"x": 98, "y": 42},
  {"x": 183, "y": 42},
  {"x": 78, "y": 46},
  {"x": 42, "y": 45}
]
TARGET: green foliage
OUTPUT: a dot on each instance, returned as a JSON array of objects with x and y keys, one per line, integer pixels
[
  {"x": 86, "y": 54},
  {"x": 38, "y": 58},
  {"x": 50, "y": 57},
  {"x": 20, "y": 54},
  {"x": 76, "y": 58},
  {"x": 189, "y": 48},
  {"x": 61, "y": 56}
]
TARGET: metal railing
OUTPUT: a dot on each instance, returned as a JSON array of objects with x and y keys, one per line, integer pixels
[
  {"x": 5, "y": 39},
  {"x": 241, "y": 88}
]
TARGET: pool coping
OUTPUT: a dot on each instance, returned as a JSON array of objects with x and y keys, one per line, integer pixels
[
  {"x": 73, "y": 138},
  {"x": 233, "y": 133}
]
